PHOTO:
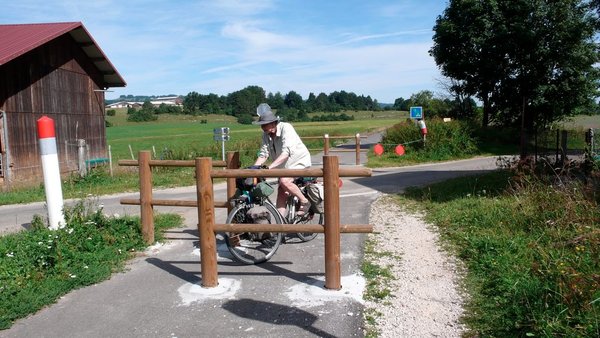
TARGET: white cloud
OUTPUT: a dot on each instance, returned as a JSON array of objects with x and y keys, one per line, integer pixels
[{"x": 160, "y": 47}]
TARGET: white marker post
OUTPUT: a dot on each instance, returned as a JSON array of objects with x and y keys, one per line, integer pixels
[{"x": 54, "y": 196}]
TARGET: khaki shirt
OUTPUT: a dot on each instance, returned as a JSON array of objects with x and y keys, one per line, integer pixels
[{"x": 286, "y": 140}]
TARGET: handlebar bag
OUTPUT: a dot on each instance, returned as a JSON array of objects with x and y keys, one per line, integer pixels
[
  {"x": 262, "y": 190},
  {"x": 314, "y": 193}
]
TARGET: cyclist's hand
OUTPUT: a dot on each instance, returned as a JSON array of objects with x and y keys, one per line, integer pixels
[{"x": 258, "y": 167}]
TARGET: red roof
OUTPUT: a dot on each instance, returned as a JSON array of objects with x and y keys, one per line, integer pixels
[{"x": 16, "y": 40}]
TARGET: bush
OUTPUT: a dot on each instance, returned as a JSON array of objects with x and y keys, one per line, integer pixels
[
  {"x": 444, "y": 141},
  {"x": 40, "y": 265},
  {"x": 111, "y": 112},
  {"x": 142, "y": 116},
  {"x": 245, "y": 119},
  {"x": 531, "y": 242},
  {"x": 333, "y": 117}
]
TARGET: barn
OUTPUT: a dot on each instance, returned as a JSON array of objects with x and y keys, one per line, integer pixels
[{"x": 56, "y": 70}]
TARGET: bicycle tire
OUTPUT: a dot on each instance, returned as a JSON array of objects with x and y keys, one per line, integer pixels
[
  {"x": 310, "y": 219},
  {"x": 251, "y": 247}
]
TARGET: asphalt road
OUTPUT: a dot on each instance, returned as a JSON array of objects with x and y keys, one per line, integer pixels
[{"x": 160, "y": 295}]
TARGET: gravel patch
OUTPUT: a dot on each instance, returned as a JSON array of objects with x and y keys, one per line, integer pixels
[{"x": 425, "y": 300}]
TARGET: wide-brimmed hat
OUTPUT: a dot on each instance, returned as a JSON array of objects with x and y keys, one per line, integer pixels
[{"x": 265, "y": 114}]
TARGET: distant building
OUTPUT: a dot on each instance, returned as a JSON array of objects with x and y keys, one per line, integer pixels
[
  {"x": 156, "y": 101},
  {"x": 57, "y": 70}
]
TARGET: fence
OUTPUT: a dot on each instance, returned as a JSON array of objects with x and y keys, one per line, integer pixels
[
  {"x": 560, "y": 144},
  {"x": 326, "y": 148},
  {"x": 205, "y": 203}
]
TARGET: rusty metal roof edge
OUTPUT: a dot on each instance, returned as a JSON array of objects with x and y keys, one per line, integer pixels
[
  {"x": 68, "y": 28},
  {"x": 19, "y": 52}
]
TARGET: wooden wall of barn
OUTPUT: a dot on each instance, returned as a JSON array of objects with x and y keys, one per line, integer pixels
[{"x": 57, "y": 80}]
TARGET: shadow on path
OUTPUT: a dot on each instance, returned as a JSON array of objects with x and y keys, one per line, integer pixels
[{"x": 275, "y": 314}]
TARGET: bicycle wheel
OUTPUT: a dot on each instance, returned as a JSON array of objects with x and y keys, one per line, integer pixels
[
  {"x": 252, "y": 247},
  {"x": 309, "y": 219}
]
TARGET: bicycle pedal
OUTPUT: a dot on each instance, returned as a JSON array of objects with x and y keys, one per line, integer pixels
[{"x": 234, "y": 240}]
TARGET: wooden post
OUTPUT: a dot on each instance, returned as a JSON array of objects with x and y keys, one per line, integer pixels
[
  {"x": 110, "y": 161},
  {"x": 146, "y": 209},
  {"x": 206, "y": 222},
  {"x": 563, "y": 146},
  {"x": 233, "y": 162},
  {"x": 332, "y": 222},
  {"x": 357, "y": 149},
  {"x": 326, "y": 144}
]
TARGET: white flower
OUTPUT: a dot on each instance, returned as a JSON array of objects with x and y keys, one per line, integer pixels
[
  {"x": 70, "y": 231},
  {"x": 73, "y": 276},
  {"x": 10, "y": 254},
  {"x": 85, "y": 267}
]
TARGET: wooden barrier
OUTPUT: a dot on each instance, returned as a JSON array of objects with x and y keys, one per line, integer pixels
[
  {"x": 331, "y": 172},
  {"x": 326, "y": 148}
]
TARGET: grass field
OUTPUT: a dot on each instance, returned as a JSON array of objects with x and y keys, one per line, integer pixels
[
  {"x": 582, "y": 122},
  {"x": 183, "y": 133}
]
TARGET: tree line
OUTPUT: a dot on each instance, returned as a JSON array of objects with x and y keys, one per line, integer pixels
[
  {"x": 529, "y": 64},
  {"x": 292, "y": 107}
]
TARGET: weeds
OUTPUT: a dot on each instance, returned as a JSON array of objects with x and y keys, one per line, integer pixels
[
  {"x": 40, "y": 265},
  {"x": 379, "y": 279},
  {"x": 531, "y": 243}
]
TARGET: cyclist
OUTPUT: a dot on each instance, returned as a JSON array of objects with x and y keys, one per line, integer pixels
[{"x": 283, "y": 146}]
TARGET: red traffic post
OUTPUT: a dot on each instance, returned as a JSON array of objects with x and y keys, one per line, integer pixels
[
  {"x": 51, "y": 171},
  {"x": 423, "y": 128}
]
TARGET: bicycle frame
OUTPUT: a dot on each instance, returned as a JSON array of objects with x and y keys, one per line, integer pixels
[{"x": 257, "y": 247}]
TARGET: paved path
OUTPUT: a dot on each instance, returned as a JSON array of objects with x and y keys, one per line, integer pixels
[{"x": 159, "y": 294}]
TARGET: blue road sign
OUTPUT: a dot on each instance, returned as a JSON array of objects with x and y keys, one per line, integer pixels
[{"x": 416, "y": 112}]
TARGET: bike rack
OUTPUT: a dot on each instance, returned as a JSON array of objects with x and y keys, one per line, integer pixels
[{"x": 331, "y": 172}]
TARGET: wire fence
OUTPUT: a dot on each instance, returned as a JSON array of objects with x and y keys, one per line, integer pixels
[{"x": 561, "y": 145}]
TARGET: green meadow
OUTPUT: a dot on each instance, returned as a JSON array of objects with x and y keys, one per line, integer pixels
[{"x": 188, "y": 136}]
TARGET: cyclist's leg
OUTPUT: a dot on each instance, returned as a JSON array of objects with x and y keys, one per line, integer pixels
[
  {"x": 287, "y": 184},
  {"x": 281, "y": 200}
]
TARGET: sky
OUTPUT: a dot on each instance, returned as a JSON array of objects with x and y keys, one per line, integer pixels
[{"x": 376, "y": 48}]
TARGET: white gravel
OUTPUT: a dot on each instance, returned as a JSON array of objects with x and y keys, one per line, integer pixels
[{"x": 426, "y": 299}]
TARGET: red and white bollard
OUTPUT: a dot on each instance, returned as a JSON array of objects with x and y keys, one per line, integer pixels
[
  {"x": 54, "y": 197},
  {"x": 423, "y": 128}
]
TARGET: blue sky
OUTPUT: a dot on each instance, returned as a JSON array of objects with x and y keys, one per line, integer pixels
[{"x": 377, "y": 48}]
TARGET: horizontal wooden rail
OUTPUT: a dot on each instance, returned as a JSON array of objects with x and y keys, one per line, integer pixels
[
  {"x": 290, "y": 228},
  {"x": 169, "y": 163},
  {"x": 204, "y": 173},
  {"x": 171, "y": 203},
  {"x": 311, "y": 172},
  {"x": 333, "y": 150},
  {"x": 330, "y": 137}
]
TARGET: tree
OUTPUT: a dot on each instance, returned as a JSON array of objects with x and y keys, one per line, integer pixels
[
  {"x": 529, "y": 62},
  {"x": 276, "y": 100},
  {"x": 191, "y": 103},
  {"x": 401, "y": 104},
  {"x": 245, "y": 101},
  {"x": 294, "y": 100},
  {"x": 321, "y": 102}
]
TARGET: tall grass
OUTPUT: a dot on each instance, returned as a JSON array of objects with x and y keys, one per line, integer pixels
[
  {"x": 532, "y": 250},
  {"x": 39, "y": 266}
]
